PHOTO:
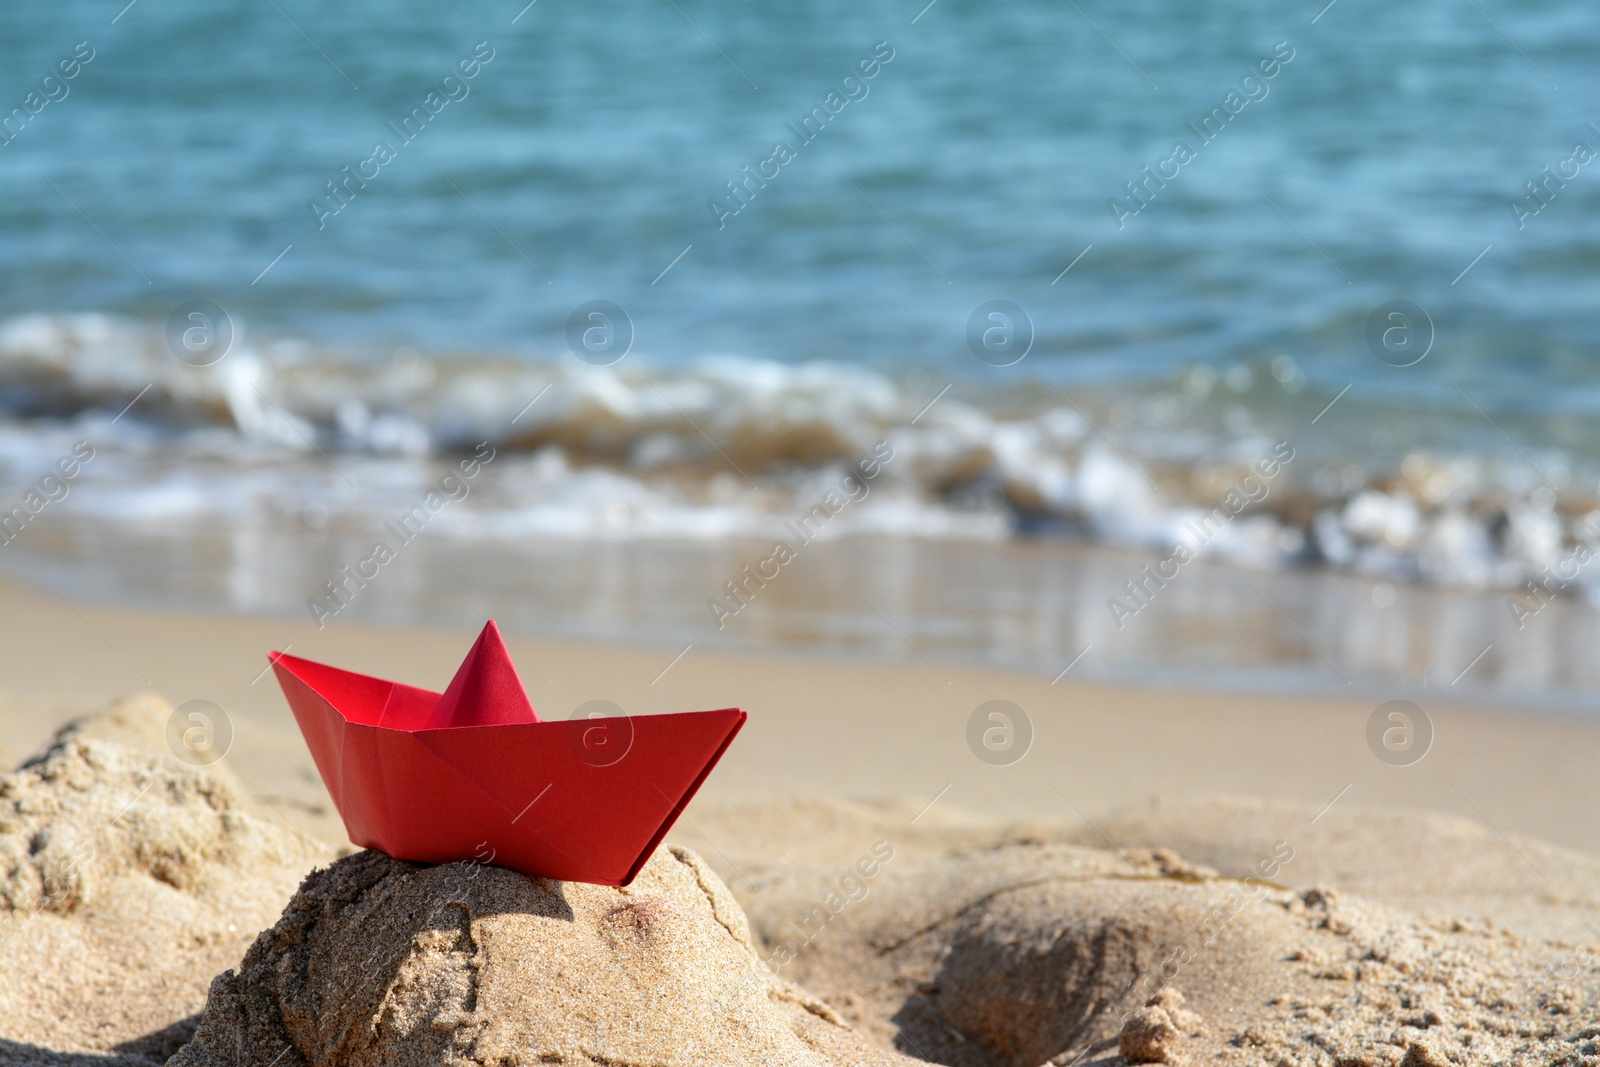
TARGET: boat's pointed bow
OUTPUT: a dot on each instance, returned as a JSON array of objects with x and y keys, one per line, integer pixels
[{"x": 704, "y": 736}]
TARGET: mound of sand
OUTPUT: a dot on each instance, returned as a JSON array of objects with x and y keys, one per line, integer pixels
[
  {"x": 377, "y": 961},
  {"x": 1011, "y": 956},
  {"x": 1025, "y": 954},
  {"x": 127, "y": 880}
]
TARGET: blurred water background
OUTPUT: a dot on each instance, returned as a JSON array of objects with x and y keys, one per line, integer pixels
[{"x": 758, "y": 345}]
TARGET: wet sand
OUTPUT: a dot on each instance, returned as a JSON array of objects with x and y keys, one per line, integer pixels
[{"x": 1030, "y": 605}]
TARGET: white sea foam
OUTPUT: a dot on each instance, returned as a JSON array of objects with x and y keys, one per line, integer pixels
[{"x": 280, "y": 431}]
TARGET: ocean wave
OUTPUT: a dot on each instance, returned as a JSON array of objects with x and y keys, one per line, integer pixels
[{"x": 284, "y": 431}]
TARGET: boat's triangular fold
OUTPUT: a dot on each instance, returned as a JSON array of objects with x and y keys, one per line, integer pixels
[{"x": 486, "y": 690}]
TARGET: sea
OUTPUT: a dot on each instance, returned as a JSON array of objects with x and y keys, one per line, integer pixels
[{"x": 1248, "y": 345}]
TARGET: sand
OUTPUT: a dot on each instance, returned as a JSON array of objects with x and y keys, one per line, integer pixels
[
  {"x": 1029, "y": 953},
  {"x": 1019, "y": 956},
  {"x": 853, "y": 884},
  {"x": 819, "y": 728},
  {"x": 852, "y": 934},
  {"x": 382, "y": 962},
  {"x": 129, "y": 879}
]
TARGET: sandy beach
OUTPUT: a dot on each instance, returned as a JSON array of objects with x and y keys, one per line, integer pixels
[
  {"x": 833, "y": 730},
  {"x": 1482, "y": 851},
  {"x": 843, "y": 535}
]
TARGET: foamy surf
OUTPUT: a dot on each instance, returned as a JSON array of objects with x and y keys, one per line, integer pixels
[{"x": 283, "y": 432}]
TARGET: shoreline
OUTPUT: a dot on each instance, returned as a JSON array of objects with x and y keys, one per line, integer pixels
[
  {"x": 823, "y": 729},
  {"x": 1032, "y": 606}
]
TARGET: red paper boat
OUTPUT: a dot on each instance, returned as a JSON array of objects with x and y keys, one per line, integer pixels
[{"x": 473, "y": 774}]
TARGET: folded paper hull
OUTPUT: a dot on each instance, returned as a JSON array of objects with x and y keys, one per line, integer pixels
[{"x": 583, "y": 800}]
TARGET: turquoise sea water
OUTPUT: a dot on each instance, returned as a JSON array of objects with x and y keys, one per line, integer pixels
[
  {"x": 976, "y": 164},
  {"x": 1188, "y": 233}
]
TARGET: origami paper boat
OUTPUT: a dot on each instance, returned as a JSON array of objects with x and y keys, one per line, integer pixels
[{"x": 474, "y": 774}]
